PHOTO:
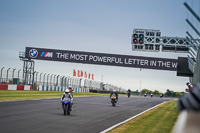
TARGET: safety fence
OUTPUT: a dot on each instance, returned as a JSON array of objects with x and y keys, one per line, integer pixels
[{"x": 47, "y": 81}]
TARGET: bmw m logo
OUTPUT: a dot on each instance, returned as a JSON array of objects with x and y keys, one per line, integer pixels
[
  {"x": 33, "y": 53},
  {"x": 47, "y": 54}
]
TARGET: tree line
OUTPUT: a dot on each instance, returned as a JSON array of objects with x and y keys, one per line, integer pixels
[{"x": 168, "y": 93}]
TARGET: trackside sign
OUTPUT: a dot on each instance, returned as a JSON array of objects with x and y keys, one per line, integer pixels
[{"x": 101, "y": 59}]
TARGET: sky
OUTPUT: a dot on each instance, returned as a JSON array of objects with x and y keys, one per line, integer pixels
[{"x": 102, "y": 26}]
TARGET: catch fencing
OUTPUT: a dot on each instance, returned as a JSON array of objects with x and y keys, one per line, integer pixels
[{"x": 45, "y": 81}]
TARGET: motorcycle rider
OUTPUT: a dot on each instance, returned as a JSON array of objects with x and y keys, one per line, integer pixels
[
  {"x": 70, "y": 90},
  {"x": 114, "y": 93},
  {"x": 68, "y": 95},
  {"x": 129, "y": 92}
]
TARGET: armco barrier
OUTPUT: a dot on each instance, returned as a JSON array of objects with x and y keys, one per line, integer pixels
[
  {"x": 60, "y": 88},
  {"x": 15, "y": 87}
]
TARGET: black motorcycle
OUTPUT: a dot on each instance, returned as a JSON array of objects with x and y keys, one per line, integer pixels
[{"x": 113, "y": 100}]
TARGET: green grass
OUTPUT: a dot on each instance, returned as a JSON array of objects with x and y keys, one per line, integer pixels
[
  {"x": 158, "y": 120},
  {"x": 8, "y": 95}
]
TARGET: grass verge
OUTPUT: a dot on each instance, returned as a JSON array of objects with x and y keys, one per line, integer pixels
[
  {"x": 158, "y": 120},
  {"x": 9, "y": 95}
]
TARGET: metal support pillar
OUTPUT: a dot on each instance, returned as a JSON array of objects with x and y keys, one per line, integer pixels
[{"x": 28, "y": 69}]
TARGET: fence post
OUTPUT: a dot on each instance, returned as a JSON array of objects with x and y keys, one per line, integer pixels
[
  {"x": 54, "y": 80},
  {"x": 1, "y": 74},
  {"x": 51, "y": 79},
  {"x": 36, "y": 77},
  {"x": 13, "y": 74},
  {"x": 67, "y": 81},
  {"x": 18, "y": 76},
  {"x": 48, "y": 78},
  {"x": 57, "y": 80},
  {"x": 40, "y": 78},
  {"x": 7, "y": 75},
  {"x": 44, "y": 78}
]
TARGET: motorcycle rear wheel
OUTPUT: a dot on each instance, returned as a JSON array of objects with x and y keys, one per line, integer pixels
[{"x": 113, "y": 103}]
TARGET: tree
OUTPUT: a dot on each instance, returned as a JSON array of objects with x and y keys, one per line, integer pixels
[
  {"x": 178, "y": 94},
  {"x": 156, "y": 92},
  {"x": 168, "y": 93},
  {"x": 146, "y": 91}
]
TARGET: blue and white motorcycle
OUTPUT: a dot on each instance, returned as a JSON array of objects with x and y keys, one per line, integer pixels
[{"x": 66, "y": 104}]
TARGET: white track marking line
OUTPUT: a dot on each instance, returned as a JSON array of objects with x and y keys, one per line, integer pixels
[{"x": 108, "y": 129}]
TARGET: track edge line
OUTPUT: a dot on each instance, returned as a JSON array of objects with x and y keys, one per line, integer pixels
[{"x": 116, "y": 125}]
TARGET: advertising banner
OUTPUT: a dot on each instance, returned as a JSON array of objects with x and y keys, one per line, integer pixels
[{"x": 101, "y": 59}]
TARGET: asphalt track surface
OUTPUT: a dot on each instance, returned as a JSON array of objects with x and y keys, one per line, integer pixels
[{"x": 90, "y": 114}]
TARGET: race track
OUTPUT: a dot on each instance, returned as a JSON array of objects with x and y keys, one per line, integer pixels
[{"x": 90, "y": 114}]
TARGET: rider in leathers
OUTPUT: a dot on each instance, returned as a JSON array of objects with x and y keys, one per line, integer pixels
[
  {"x": 68, "y": 95},
  {"x": 129, "y": 92},
  {"x": 114, "y": 93}
]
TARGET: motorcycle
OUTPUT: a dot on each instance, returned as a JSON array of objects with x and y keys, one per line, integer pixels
[
  {"x": 128, "y": 95},
  {"x": 113, "y": 100},
  {"x": 145, "y": 95},
  {"x": 66, "y": 106}
]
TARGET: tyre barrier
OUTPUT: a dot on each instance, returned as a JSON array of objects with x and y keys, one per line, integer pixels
[
  {"x": 15, "y": 87},
  {"x": 60, "y": 88}
]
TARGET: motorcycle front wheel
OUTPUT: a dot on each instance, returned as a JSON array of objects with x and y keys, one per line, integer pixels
[
  {"x": 64, "y": 109},
  {"x": 113, "y": 103},
  {"x": 68, "y": 109}
]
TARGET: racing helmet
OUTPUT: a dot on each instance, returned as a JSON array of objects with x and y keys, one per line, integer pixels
[
  {"x": 66, "y": 91},
  {"x": 69, "y": 87}
]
